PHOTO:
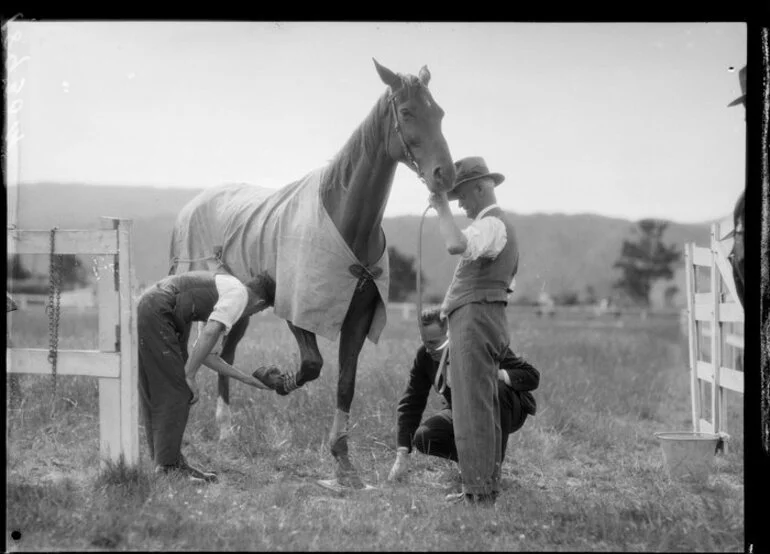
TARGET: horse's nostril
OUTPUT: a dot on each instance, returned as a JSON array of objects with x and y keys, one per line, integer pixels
[{"x": 437, "y": 173}]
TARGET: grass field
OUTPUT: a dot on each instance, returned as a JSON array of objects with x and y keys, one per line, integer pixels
[{"x": 585, "y": 474}]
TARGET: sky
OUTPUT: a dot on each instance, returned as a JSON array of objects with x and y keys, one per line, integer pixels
[{"x": 620, "y": 119}]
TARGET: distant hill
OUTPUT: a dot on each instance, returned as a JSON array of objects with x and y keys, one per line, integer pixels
[{"x": 558, "y": 252}]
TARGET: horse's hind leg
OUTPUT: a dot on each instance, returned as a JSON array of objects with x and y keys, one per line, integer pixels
[{"x": 223, "y": 413}]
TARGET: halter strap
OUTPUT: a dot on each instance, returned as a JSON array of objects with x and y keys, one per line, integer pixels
[
  {"x": 404, "y": 145},
  {"x": 441, "y": 376}
]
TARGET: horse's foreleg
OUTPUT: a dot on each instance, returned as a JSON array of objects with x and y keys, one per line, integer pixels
[
  {"x": 223, "y": 413},
  {"x": 310, "y": 365},
  {"x": 353, "y": 334}
]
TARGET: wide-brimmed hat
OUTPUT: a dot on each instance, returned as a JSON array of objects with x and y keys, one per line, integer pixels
[
  {"x": 470, "y": 169},
  {"x": 742, "y": 98}
]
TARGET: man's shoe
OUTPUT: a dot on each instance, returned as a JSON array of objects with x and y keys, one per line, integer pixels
[
  {"x": 456, "y": 498},
  {"x": 452, "y": 481},
  {"x": 472, "y": 499},
  {"x": 196, "y": 474},
  {"x": 192, "y": 473}
]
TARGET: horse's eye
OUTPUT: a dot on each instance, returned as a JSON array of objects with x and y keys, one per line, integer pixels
[{"x": 406, "y": 114}]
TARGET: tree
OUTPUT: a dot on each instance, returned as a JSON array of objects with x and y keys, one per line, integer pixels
[
  {"x": 669, "y": 294},
  {"x": 403, "y": 275},
  {"x": 645, "y": 259}
]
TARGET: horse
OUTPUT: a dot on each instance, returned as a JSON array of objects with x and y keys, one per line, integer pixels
[{"x": 237, "y": 226}]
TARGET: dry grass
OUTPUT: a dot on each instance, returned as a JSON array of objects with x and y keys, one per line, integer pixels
[{"x": 585, "y": 474}]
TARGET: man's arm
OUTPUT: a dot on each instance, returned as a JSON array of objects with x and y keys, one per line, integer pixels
[
  {"x": 415, "y": 398},
  {"x": 216, "y": 363},
  {"x": 522, "y": 376},
  {"x": 454, "y": 239},
  {"x": 410, "y": 410},
  {"x": 483, "y": 238},
  {"x": 201, "y": 354},
  {"x": 206, "y": 340},
  {"x": 202, "y": 348}
]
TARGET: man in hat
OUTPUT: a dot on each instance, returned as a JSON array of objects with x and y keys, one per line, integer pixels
[
  {"x": 474, "y": 306},
  {"x": 435, "y": 435}
]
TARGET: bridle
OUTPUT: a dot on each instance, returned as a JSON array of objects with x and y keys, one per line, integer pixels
[
  {"x": 411, "y": 159},
  {"x": 407, "y": 151}
]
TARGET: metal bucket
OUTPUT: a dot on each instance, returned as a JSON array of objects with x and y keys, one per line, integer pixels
[{"x": 688, "y": 454}]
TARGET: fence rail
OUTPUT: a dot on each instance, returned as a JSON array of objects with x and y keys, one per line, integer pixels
[{"x": 67, "y": 241}]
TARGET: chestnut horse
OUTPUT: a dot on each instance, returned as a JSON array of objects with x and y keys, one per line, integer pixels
[{"x": 403, "y": 126}]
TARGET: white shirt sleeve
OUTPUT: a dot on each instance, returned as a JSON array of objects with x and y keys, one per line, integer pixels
[
  {"x": 233, "y": 298},
  {"x": 486, "y": 237}
]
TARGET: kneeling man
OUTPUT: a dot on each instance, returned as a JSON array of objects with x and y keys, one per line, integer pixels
[{"x": 435, "y": 435}]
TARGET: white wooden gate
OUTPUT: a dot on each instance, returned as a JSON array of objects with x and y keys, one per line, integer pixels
[
  {"x": 715, "y": 328},
  {"x": 115, "y": 362}
]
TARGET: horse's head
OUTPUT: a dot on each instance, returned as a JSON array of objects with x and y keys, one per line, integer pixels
[{"x": 414, "y": 135}]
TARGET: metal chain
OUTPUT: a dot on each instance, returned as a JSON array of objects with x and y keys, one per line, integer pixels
[{"x": 54, "y": 297}]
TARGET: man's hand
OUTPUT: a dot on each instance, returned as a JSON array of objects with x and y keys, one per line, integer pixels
[
  {"x": 193, "y": 387},
  {"x": 269, "y": 375},
  {"x": 438, "y": 201},
  {"x": 401, "y": 466},
  {"x": 503, "y": 376}
]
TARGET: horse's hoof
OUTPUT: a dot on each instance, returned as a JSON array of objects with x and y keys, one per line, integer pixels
[
  {"x": 287, "y": 384},
  {"x": 269, "y": 375},
  {"x": 349, "y": 479}
]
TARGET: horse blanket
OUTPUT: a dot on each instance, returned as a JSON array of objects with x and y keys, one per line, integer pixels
[{"x": 287, "y": 234}]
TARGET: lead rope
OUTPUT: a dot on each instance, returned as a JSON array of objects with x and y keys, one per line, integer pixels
[
  {"x": 418, "y": 303},
  {"x": 444, "y": 355},
  {"x": 53, "y": 309}
]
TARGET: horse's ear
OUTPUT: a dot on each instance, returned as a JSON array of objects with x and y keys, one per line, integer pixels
[
  {"x": 424, "y": 75},
  {"x": 387, "y": 76}
]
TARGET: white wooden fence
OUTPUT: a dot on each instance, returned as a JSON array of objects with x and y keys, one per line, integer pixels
[
  {"x": 720, "y": 308},
  {"x": 114, "y": 364},
  {"x": 80, "y": 299}
]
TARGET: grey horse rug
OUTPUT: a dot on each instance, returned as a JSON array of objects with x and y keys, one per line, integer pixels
[{"x": 287, "y": 234}]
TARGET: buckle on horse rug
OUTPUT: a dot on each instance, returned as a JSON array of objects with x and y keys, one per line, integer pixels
[{"x": 364, "y": 274}]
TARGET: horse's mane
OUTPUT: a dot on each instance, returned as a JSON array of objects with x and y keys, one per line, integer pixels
[{"x": 362, "y": 142}]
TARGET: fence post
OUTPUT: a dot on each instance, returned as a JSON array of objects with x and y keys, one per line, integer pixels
[
  {"x": 692, "y": 336},
  {"x": 129, "y": 401},
  {"x": 109, "y": 323},
  {"x": 717, "y": 399}
]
